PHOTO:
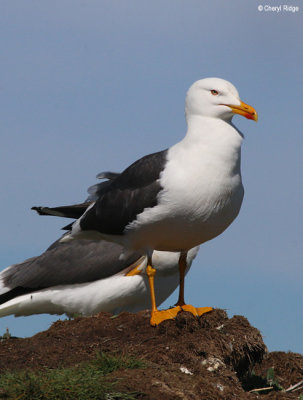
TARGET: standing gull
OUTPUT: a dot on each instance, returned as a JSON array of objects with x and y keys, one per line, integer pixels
[{"x": 181, "y": 197}]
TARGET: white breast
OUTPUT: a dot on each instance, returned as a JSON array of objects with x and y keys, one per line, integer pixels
[{"x": 202, "y": 192}]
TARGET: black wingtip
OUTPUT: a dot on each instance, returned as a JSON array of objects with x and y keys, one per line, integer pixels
[
  {"x": 38, "y": 210},
  {"x": 48, "y": 211},
  {"x": 67, "y": 227}
]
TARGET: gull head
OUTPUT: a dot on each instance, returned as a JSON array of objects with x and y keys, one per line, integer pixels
[{"x": 216, "y": 98}]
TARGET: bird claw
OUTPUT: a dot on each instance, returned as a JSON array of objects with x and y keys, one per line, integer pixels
[
  {"x": 159, "y": 316},
  {"x": 196, "y": 311}
]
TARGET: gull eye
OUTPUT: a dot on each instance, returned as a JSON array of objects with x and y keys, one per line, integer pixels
[{"x": 214, "y": 92}]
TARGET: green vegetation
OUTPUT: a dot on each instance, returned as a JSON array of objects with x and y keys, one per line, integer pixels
[
  {"x": 87, "y": 381},
  {"x": 5, "y": 335},
  {"x": 259, "y": 384},
  {"x": 272, "y": 380}
]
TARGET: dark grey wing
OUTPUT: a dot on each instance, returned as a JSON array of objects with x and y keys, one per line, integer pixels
[
  {"x": 126, "y": 196},
  {"x": 74, "y": 262},
  {"x": 95, "y": 190},
  {"x": 73, "y": 211},
  {"x": 107, "y": 175}
]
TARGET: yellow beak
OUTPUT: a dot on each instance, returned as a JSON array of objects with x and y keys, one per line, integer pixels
[{"x": 245, "y": 110}]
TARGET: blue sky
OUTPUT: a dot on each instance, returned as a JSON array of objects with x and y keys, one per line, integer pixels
[{"x": 87, "y": 86}]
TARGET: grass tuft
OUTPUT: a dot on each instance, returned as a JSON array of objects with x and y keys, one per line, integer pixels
[
  {"x": 87, "y": 381},
  {"x": 272, "y": 380}
]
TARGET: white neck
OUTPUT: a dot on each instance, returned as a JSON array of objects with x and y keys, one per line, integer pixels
[
  {"x": 213, "y": 140},
  {"x": 209, "y": 126}
]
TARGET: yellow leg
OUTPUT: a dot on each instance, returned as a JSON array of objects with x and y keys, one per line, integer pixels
[
  {"x": 136, "y": 267},
  {"x": 151, "y": 272},
  {"x": 158, "y": 316},
  {"x": 135, "y": 271}
]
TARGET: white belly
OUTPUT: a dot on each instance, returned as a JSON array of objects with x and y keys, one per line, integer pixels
[
  {"x": 193, "y": 209},
  {"x": 202, "y": 195},
  {"x": 185, "y": 225}
]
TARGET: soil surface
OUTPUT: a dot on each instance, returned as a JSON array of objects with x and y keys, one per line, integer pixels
[{"x": 211, "y": 358}]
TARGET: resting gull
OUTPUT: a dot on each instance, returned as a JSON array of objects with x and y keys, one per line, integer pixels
[{"x": 85, "y": 277}]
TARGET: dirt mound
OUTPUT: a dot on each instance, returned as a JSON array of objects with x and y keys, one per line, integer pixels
[{"x": 213, "y": 357}]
